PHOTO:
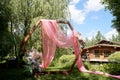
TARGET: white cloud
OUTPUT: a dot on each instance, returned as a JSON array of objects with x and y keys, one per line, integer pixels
[
  {"x": 74, "y": 2},
  {"x": 93, "y": 5},
  {"x": 107, "y": 35},
  {"x": 110, "y": 33},
  {"x": 78, "y": 15},
  {"x": 91, "y": 34}
]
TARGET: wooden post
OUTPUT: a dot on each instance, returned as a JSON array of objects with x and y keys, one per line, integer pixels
[{"x": 28, "y": 36}]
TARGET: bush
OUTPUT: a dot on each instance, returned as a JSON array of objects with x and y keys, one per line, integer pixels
[
  {"x": 115, "y": 56},
  {"x": 87, "y": 64},
  {"x": 66, "y": 60},
  {"x": 113, "y": 68},
  {"x": 28, "y": 70}
]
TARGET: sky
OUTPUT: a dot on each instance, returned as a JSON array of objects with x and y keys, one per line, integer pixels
[{"x": 89, "y": 16}]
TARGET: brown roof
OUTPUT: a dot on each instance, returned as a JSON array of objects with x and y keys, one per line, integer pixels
[
  {"x": 108, "y": 42},
  {"x": 105, "y": 43}
]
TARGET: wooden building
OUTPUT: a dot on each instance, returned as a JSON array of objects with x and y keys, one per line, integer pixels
[{"x": 101, "y": 50}]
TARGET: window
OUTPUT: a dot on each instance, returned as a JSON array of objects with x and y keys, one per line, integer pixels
[
  {"x": 96, "y": 53},
  {"x": 106, "y": 53}
]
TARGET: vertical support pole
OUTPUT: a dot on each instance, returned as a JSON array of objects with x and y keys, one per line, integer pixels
[{"x": 28, "y": 35}]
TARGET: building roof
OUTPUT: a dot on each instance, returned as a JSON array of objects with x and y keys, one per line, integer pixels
[
  {"x": 108, "y": 42},
  {"x": 105, "y": 43}
]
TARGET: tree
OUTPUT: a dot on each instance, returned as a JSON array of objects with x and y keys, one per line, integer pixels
[
  {"x": 114, "y": 38},
  {"x": 18, "y": 16},
  {"x": 118, "y": 38},
  {"x": 99, "y": 36},
  {"x": 114, "y": 7},
  {"x": 26, "y": 10},
  {"x": 90, "y": 42},
  {"x": 114, "y": 67},
  {"x": 5, "y": 43}
]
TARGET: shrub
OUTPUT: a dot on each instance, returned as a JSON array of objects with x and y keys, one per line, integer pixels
[
  {"x": 115, "y": 56},
  {"x": 87, "y": 64},
  {"x": 113, "y": 68},
  {"x": 66, "y": 60},
  {"x": 28, "y": 70}
]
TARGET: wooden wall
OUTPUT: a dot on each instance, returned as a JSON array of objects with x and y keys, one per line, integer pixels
[{"x": 99, "y": 52}]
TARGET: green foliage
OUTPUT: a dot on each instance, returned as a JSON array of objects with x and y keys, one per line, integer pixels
[
  {"x": 113, "y": 67},
  {"x": 6, "y": 44},
  {"x": 99, "y": 36},
  {"x": 60, "y": 52},
  {"x": 114, "y": 57},
  {"x": 18, "y": 16},
  {"x": 66, "y": 60},
  {"x": 116, "y": 38},
  {"x": 23, "y": 11},
  {"x": 87, "y": 65},
  {"x": 114, "y": 7},
  {"x": 89, "y": 42},
  {"x": 17, "y": 74},
  {"x": 95, "y": 66},
  {"x": 28, "y": 70}
]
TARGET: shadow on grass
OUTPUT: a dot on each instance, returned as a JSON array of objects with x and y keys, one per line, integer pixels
[{"x": 18, "y": 74}]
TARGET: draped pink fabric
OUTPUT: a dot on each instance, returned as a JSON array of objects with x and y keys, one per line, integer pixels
[{"x": 52, "y": 36}]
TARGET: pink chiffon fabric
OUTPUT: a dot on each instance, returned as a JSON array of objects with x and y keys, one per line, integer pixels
[{"x": 52, "y": 37}]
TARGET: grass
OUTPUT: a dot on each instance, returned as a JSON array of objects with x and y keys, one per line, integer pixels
[{"x": 18, "y": 74}]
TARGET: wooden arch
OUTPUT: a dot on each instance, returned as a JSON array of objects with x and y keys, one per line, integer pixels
[{"x": 22, "y": 46}]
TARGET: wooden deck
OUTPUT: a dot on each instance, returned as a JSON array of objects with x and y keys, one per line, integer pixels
[
  {"x": 100, "y": 61},
  {"x": 96, "y": 60}
]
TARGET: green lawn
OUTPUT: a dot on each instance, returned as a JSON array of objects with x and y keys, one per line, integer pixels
[{"x": 18, "y": 74}]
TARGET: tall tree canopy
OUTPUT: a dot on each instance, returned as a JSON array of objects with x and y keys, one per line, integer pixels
[
  {"x": 17, "y": 17},
  {"x": 24, "y": 11},
  {"x": 99, "y": 36},
  {"x": 114, "y": 7},
  {"x": 5, "y": 44}
]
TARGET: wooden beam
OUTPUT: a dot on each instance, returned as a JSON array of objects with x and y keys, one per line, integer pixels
[
  {"x": 28, "y": 35},
  {"x": 66, "y": 22}
]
